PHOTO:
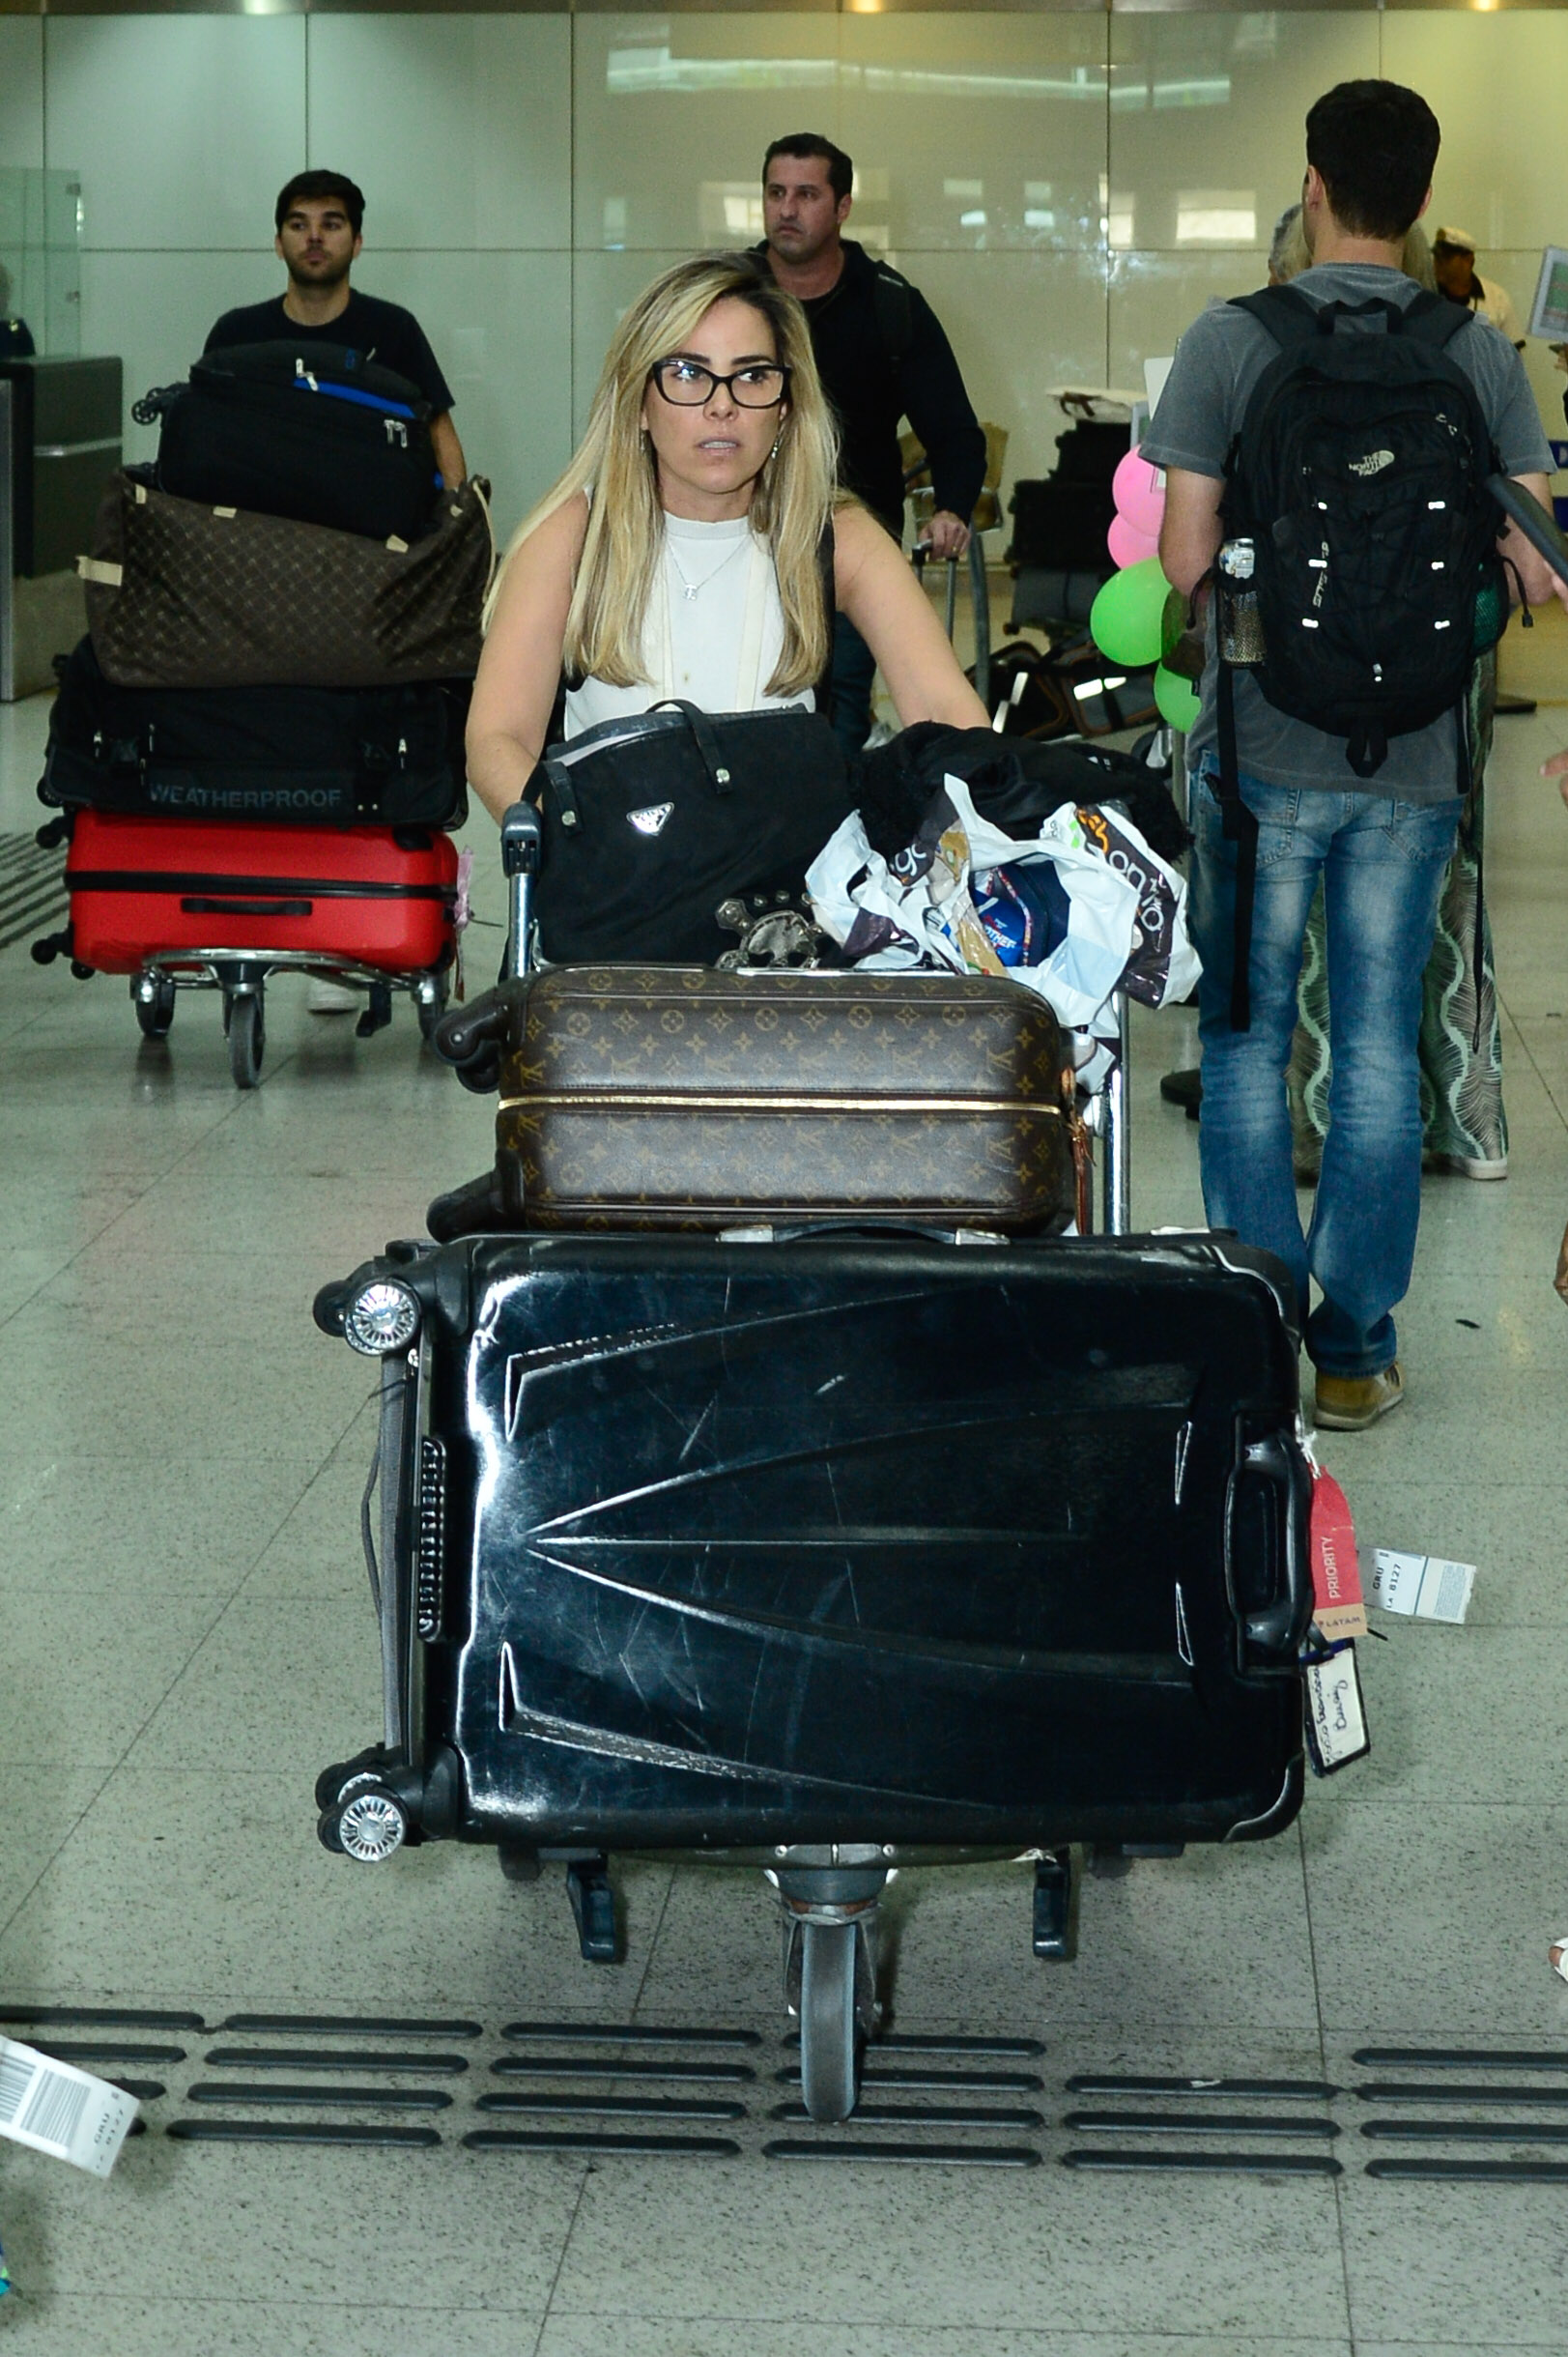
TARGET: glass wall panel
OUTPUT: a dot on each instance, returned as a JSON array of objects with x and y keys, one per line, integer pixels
[
  {"x": 40, "y": 256},
  {"x": 1495, "y": 84},
  {"x": 1205, "y": 120},
  {"x": 457, "y": 128},
  {"x": 1018, "y": 103},
  {"x": 671, "y": 116},
  {"x": 186, "y": 127},
  {"x": 22, "y": 91}
]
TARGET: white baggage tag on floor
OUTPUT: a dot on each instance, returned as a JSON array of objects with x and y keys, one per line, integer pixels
[
  {"x": 1336, "y": 1716},
  {"x": 54, "y": 2107},
  {"x": 1427, "y": 1586}
]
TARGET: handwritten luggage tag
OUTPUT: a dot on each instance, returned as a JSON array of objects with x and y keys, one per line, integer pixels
[{"x": 1336, "y": 1727}]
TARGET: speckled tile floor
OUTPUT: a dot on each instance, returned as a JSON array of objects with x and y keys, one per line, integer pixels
[{"x": 183, "y": 1640}]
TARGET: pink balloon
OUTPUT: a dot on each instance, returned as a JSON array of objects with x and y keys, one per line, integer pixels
[
  {"x": 1128, "y": 545},
  {"x": 1139, "y": 494}
]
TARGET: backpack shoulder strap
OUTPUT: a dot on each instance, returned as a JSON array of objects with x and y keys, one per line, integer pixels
[
  {"x": 1289, "y": 316},
  {"x": 1432, "y": 319},
  {"x": 895, "y": 318}
]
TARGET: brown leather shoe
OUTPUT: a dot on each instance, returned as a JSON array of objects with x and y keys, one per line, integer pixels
[{"x": 1349, "y": 1404}]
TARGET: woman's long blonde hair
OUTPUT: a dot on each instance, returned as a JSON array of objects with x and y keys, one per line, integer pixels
[{"x": 614, "y": 463}]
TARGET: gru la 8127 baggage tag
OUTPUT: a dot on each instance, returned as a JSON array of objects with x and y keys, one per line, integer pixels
[
  {"x": 51, "y": 2107},
  {"x": 1337, "y": 1728}
]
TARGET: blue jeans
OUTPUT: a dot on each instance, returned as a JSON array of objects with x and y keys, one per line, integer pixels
[
  {"x": 1383, "y": 864},
  {"x": 854, "y": 671}
]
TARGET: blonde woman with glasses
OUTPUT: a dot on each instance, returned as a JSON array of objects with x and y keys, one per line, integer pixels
[{"x": 682, "y": 553}]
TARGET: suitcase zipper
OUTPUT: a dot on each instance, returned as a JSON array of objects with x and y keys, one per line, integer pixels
[
  {"x": 675, "y": 1099},
  {"x": 340, "y": 888}
]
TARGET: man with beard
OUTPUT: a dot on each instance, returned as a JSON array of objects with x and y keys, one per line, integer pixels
[{"x": 319, "y": 217}]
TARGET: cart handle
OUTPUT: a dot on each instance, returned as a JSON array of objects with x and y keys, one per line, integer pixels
[{"x": 520, "y": 838}]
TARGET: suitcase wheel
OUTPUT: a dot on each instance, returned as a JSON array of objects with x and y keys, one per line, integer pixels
[
  {"x": 366, "y": 1823},
  {"x": 834, "y": 1961},
  {"x": 245, "y": 1025},
  {"x": 593, "y": 1910},
  {"x": 152, "y": 996},
  {"x": 430, "y": 995}
]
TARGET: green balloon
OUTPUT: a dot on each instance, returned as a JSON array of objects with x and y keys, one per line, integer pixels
[
  {"x": 1127, "y": 619},
  {"x": 1177, "y": 699}
]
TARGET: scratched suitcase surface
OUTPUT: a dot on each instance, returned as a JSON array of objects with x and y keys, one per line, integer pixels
[{"x": 854, "y": 1539}]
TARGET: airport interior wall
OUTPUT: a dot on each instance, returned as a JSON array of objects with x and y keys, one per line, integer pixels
[{"x": 1069, "y": 187}]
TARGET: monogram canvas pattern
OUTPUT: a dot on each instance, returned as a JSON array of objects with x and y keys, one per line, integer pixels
[
  {"x": 214, "y": 599},
  {"x": 682, "y": 1097}
]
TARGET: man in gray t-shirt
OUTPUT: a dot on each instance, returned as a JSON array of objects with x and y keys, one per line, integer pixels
[
  {"x": 1219, "y": 364},
  {"x": 1380, "y": 844}
]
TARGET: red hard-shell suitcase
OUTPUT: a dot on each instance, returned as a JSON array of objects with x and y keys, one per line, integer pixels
[{"x": 140, "y": 889}]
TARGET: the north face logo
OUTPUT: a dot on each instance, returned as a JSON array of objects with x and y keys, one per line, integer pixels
[
  {"x": 650, "y": 822},
  {"x": 1373, "y": 463}
]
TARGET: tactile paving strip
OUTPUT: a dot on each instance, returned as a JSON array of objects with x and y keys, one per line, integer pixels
[
  {"x": 645, "y": 2089},
  {"x": 33, "y": 890}
]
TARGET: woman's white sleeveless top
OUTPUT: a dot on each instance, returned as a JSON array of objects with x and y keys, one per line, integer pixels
[{"x": 717, "y": 648}]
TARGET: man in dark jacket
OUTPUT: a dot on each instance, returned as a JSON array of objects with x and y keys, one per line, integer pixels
[{"x": 883, "y": 357}]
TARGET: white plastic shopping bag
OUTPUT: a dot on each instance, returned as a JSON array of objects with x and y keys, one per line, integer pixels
[{"x": 1127, "y": 909}]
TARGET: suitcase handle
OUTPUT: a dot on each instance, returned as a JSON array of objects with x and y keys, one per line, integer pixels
[
  {"x": 796, "y": 1231},
  {"x": 1276, "y": 1628},
  {"x": 197, "y": 907}
]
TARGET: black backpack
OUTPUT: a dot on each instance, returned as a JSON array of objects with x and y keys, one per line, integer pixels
[
  {"x": 1360, "y": 477},
  {"x": 309, "y": 430}
]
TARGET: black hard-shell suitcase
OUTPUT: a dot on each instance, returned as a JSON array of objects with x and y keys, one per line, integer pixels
[
  {"x": 367, "y": 755},
  {"x": 309, "y": 430},
  {"x": 828, "y": 1551}
]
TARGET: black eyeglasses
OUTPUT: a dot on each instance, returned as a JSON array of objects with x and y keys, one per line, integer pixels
[{"x": 689, "y": 385}]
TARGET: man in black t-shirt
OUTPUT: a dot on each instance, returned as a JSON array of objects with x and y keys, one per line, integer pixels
[{"x": 319, "y": 217}]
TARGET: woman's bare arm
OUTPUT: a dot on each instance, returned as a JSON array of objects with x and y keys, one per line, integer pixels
[
  {"x": 877, "y": 589},
  {"x": 519, "y": 668}
]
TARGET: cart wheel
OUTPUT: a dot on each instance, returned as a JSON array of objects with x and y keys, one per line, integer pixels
[
  {"x": 829, "y": 2044},
  {"x": 430, "y": 1003},
  {"x": 247, "y": 1038},
  {"x": 519, "y": 1863},
  {"x": 156, "y": 1014}
]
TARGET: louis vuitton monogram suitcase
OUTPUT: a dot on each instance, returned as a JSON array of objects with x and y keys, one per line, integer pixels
[{"x": 682, "y": 1097}]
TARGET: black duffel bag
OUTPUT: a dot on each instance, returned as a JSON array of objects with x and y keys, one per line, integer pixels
[
  {"x": 650, "y": 823},
  {"x": 329, "y": 755},
  {"x": 311, "y": 431}
]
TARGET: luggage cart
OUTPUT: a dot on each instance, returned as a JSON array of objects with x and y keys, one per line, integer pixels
[
  {"x": 371, "y": 909},
  {"x": 241, "y": 977},
  {"x": 807, "y": 1746},
  {"x": 1105, "y": 1117}
]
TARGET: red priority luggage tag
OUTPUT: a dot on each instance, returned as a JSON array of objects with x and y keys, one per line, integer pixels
[{"x": 1336, "y": 1727}]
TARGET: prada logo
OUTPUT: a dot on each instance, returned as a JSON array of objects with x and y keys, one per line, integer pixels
[{"x": 650, "y": 822}]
